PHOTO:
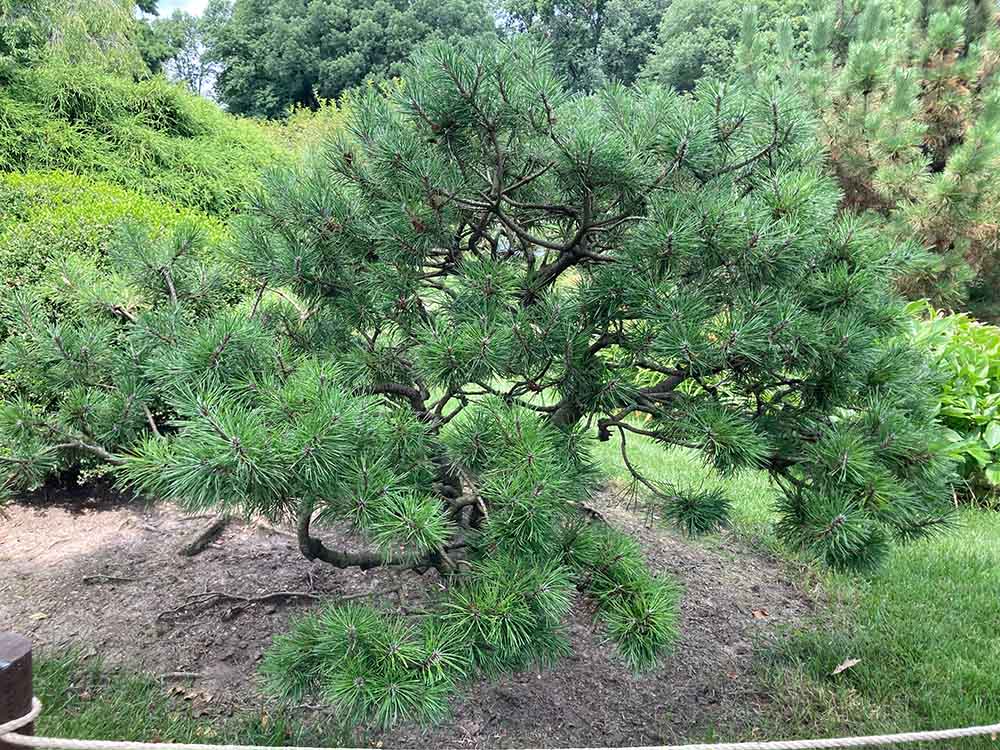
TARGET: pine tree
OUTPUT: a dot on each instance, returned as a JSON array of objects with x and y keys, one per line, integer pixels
[
  {"x": 911, "y": 115},
  {"x": 483, "y": 274}
]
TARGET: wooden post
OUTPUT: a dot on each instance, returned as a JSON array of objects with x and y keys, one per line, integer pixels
[{"x": 15, "y": 682}]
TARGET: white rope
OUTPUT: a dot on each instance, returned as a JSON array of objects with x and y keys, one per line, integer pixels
[
  {"x": 13, "y": 725},
  {"x": 8, "y": 733}
]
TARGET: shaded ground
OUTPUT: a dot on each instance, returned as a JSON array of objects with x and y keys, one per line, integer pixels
[{"x": 53, "y": 557}]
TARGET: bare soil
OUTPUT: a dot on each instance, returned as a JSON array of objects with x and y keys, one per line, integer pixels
[{"x": 102, "y": 576}]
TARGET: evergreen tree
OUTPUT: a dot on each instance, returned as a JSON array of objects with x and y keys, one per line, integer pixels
[
  {"x": 176, "y": 45},
  {"x": 910, "y": 112},
  {"x": 482, "y": 275},
  {"x": 700, "y": 38}
]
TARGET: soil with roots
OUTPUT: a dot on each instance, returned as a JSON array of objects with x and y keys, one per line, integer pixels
[{"x": 101, "y": 575}]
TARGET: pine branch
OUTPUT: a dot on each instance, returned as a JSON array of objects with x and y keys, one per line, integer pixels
[
  {"x": 152, "y": 422},
  {"x": 97, "y": 450},
  {"x": 314, "y": 549}
]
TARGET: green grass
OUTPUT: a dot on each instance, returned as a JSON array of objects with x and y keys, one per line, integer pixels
[
  {"x": 925, "y": 627},
  {"x": 751, "y": 493},
  {"x": 84, "y": 700}
]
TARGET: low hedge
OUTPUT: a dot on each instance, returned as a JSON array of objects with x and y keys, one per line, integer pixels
[{"x": 46, "y": 216}]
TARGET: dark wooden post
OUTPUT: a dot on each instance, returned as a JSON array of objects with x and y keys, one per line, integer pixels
[{"x": 15, "y": 682}]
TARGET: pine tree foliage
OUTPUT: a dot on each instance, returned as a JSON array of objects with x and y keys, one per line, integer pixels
[
  {"x": 482, "y": 275},
  {"x": 910, "y": 112}
]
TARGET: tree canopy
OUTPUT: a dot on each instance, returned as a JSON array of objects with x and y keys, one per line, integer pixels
[
  {"x": 592, "y": 41},
  {"x": 910, "y": 111},
  {"x": 273, "y": 55},
  {"x": 177, "y": 45},
  {"x": 701, "y": 38}
]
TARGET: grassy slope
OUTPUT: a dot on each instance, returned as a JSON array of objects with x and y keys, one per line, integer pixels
[
  {"x": 926, "y": 628},
  {"x": 148, "y": 136}
]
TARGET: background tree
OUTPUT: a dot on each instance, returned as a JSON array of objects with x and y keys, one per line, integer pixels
[
  {"x": 699, "y": 38},
  {"x": 178, "y": 46},
  {"x": 593, "y": 41},
  {"x": 70, "y": 32},
  {"x": 909, "y": 110},
  {"x": 273, "y": 55},
  {"x": 482, "y": 275},
  {"x": 24, "y": 31}
]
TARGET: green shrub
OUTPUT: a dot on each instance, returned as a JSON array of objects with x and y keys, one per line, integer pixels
[
  {"x": 151, "y": 136},
  {"x": 305, "y": 128},
  {"x": 45, "y": 217},
  {"x": 967, "y": 353}
]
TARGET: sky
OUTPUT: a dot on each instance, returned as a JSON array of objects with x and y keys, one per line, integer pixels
[{"x": 166, "y": 7}]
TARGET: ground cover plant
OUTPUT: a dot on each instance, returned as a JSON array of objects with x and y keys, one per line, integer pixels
[
  {"x": 484, "y": 274},
  {"x": 87, "y": 699},
  {"x": 48, "y": 216},
  {"x": 924, "y": 632}
]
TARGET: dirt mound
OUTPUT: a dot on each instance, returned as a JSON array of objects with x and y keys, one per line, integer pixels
[{"x": 104, "y": 577}]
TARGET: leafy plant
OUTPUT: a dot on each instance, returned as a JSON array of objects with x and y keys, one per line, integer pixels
[
  {"x": 49, "y": 216},
  {"x": 592, "y": 43},
  {"x": 701, "y": 38},
  {"x": 149, "y": 136},
  {"x": 967, "y": 354},
  {"x": 276, "y": 55}
]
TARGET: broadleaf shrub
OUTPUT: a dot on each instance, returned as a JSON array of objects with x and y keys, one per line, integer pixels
[
  {"x": 967, "y": 355},
  {"x": 46, "y": 217}
]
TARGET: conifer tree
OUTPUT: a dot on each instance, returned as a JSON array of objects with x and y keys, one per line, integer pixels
[
  {"x": 910, "y": 111},
  {"x": 484, "y": 274}
]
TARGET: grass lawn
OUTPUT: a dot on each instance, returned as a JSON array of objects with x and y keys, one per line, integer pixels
[
  {"x": 925, "y": 628},
  {"x": 84, "y": 700}
]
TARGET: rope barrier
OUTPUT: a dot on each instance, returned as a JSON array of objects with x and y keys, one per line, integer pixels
[{"x": 8, "y": 732}]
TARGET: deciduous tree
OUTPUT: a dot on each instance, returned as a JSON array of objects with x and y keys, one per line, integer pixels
[{"x": 273, "y": 55}]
